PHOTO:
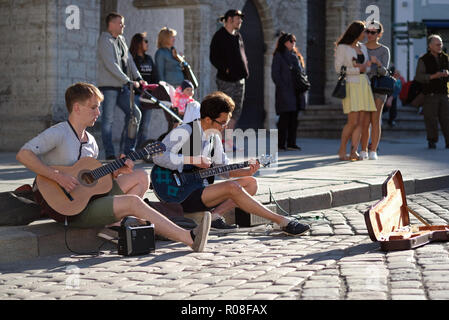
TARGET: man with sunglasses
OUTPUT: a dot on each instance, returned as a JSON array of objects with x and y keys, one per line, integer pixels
[{"x": 199, "y": 143}]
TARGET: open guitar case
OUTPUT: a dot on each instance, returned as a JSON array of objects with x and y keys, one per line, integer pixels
[{"x": 388, "y": 220}]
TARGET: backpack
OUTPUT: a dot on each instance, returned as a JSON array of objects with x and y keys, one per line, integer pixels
[
  {"x": 19, "y": 207},
  {"x": 404, "y": 92}
]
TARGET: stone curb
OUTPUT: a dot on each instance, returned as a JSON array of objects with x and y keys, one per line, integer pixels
[{"x": 47, "y": 237}]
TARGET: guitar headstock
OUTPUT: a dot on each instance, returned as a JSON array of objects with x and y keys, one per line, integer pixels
[
  {"x": 154, "y": 148},
  {"x": 266, "y": 159}
]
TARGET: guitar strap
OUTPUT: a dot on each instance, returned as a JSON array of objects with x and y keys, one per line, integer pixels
[{"x": 195, "y": 146}]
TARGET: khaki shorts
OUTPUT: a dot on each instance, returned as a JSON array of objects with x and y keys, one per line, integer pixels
[{"x": 99, "y": 212}]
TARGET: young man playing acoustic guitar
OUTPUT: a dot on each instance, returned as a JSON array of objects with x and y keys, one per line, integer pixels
[
  {"x": 65, "y": 143},
  {"x": 198, "y": 143}
]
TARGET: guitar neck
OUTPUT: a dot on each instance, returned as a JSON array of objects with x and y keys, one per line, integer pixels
[
  {"x": 115, "y": 165},
  {"x": 205, "y": 173}
]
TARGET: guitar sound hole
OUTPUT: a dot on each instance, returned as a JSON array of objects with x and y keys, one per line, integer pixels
[{"x": 87, "y": 177}]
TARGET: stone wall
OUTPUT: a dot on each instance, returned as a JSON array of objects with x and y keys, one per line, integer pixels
[{"x": 39, "y": 58}]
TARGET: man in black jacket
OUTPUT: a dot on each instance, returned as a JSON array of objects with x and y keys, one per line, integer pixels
[
  {"x": 432, "y": 72},
  {"x": 227, "y": 54}
]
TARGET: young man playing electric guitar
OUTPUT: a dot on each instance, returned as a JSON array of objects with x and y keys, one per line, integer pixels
[
  {"x": 198, "y": 144},
  {"x": 67, "y": 143}
]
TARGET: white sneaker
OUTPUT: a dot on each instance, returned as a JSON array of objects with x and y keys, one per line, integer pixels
[
  {"x": 373, "y": 155},
  {"x": 363, "y": 155}
]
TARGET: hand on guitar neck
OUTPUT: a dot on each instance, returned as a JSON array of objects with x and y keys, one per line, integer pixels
[
  {"x": 127, "y": 168},
  {"x": 198, "y": 161}
]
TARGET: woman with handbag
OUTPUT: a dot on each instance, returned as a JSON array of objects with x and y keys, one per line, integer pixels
[
  {"x": 286, "y": 58},
  {"x": 352, "y": 54},
  {"x": 380, "y": 59}
]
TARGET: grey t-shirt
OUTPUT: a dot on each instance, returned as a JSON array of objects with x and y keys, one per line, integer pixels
[
  {"x": 382, "y": 54},
  {"x": 59, "y": 145}
]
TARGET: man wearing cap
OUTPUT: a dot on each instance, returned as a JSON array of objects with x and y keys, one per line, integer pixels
[{"x": 227, "y": 54}]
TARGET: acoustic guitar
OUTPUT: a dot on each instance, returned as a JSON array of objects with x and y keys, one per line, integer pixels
[
  {"x": 94, "y": 179},
  {"x": 174, "y": 187}
]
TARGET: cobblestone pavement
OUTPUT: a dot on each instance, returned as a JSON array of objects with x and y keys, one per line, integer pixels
[{"x": 337, "y": 260}]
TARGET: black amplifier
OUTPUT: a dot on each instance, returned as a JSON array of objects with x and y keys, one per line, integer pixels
[{"x": 135, "y": 239}]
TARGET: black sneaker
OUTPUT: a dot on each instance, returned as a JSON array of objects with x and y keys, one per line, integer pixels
[
  {"x": 294, "y": 148},
  {"x": 221, "y": 224},
  {"x": 294, "y": 228}
]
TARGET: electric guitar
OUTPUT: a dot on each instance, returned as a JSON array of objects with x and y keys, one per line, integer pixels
[
  {"x": 94, "y": 179},
  {"x": 173, "y": 186}
]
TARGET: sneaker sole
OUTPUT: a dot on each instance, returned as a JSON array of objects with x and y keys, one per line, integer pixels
[
  {"x": 295, "y": 235},
  {"x": 202, "y": 236}
]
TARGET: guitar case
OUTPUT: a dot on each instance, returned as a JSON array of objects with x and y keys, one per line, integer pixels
[{"x": 388, "y": 220}]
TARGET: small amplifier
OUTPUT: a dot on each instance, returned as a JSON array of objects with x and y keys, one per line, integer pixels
[
  {"x": 245, "y": 220},
  {"x": 134, "y": 238}
]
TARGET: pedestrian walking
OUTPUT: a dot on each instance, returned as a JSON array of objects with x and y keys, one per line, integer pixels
[
  {"x": 285, "y": 58},
  {"x": 227, "y": 55},
  {"x": 168, "y": 67},
  {"x": 147, "y": 69},
  {"x": 379, "y": 55},
  {"x": 432, "y": 72},
  {"x": 116, "y": 70},
  {"x": 352, "y": 53}
]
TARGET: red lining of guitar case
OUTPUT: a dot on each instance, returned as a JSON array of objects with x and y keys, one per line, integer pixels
[{"x": 388, "y": 220}]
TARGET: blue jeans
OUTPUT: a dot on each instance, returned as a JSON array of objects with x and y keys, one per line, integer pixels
[
  {"x": 144, "y": 128},
  {"x": 119, "y": 97}
]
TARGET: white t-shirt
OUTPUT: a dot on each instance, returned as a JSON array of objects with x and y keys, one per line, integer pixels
[{"x": 59, "y": 145}]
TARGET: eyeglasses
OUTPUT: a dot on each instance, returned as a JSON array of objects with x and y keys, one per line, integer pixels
[
  {"x": 223, "y": 125},
  {"x": 145, "y": 40},
  {"x": 372, "y": 32}
]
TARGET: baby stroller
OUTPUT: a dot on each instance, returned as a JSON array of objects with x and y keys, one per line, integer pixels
[{"x": 157, "y": 96}]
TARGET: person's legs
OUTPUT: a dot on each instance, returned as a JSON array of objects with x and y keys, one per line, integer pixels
[
  {"x": 393, "y": 112},
  {"x": 430, "y": 110},
  {"x": 144, "y": 128},
  {"x": 282, "y": 130},
  {"x": 348, "y": 129},
  {"x": 248, "y": 183},
  {"x": 136, "y": 183},
  {"x": 236, "y": 90},
  {"x": 132, "y": 205},
  {"x": 123, "y": 102},
  {"x": 215, "y": 194},
  {"x": 376, "y": 128},
  {"x": 443, "y": 115},
  {"x": 292, "y": 129},
  {"x": 107, "y": 119},
  {"x": 366, "y": 120}
]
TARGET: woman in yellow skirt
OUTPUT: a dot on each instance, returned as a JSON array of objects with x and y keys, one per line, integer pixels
[{"x": 353, "y": 54}]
